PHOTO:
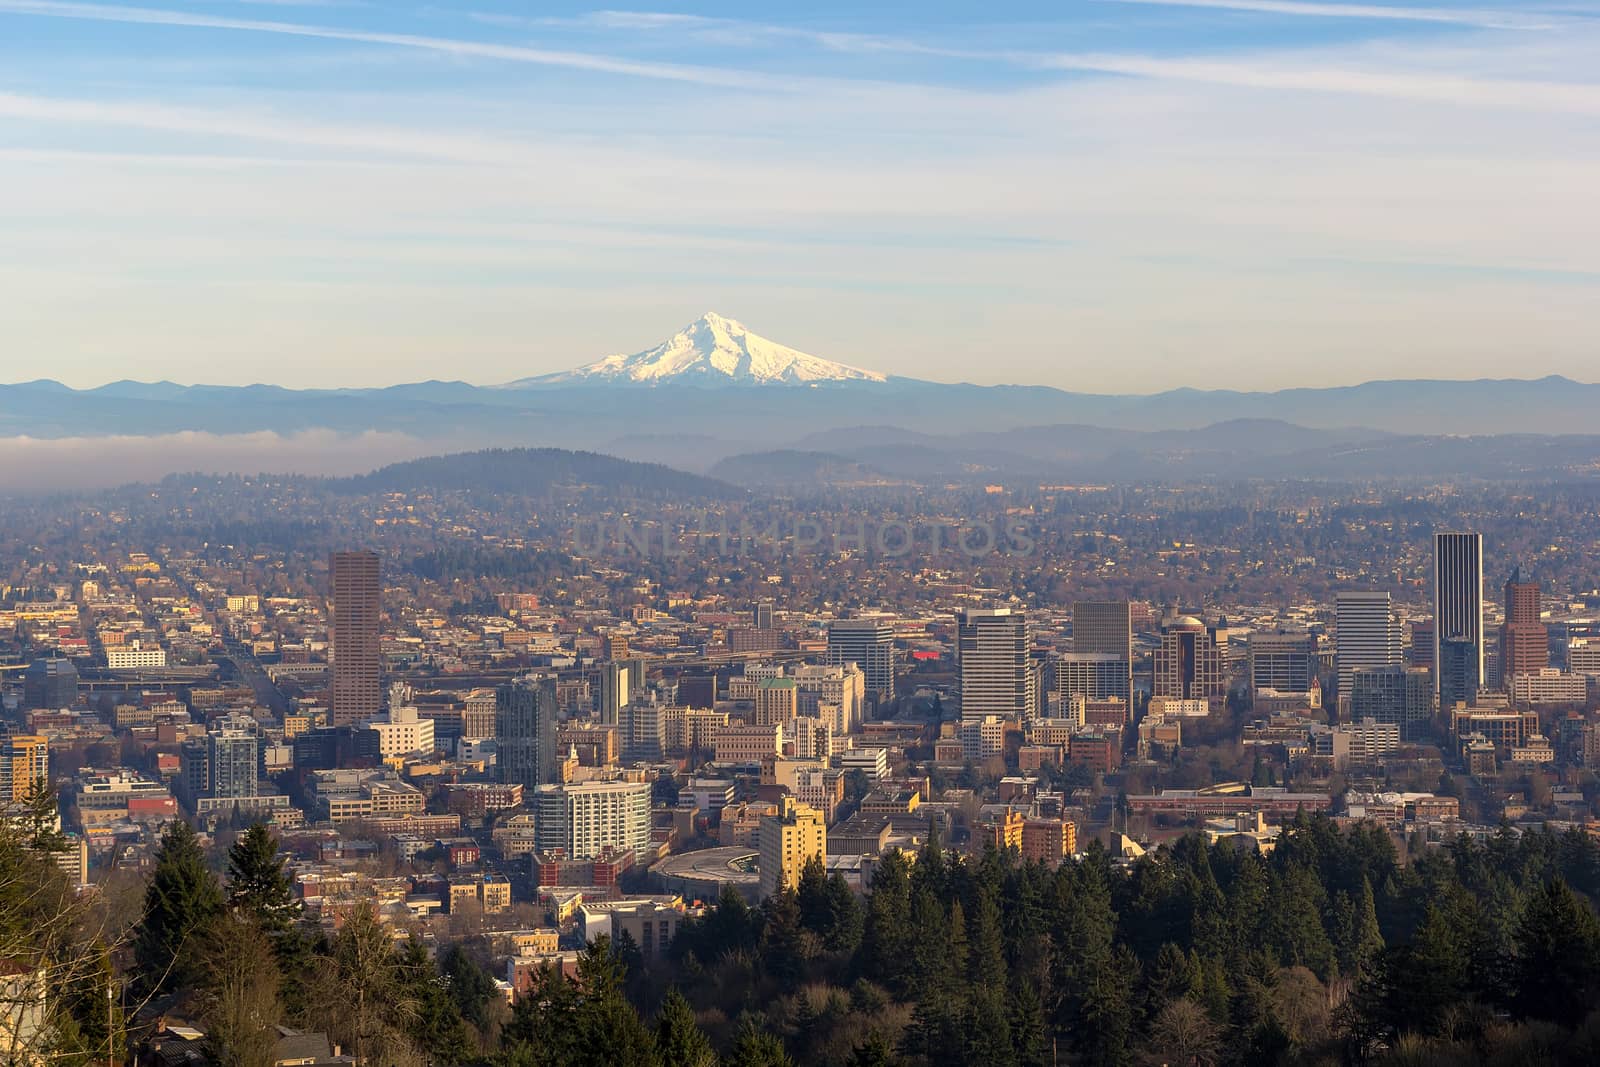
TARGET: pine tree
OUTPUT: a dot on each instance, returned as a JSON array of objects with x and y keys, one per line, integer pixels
[
  {"x": 929, "y": 871},
  {"x": 679, "y": 1040},
  {"x": 544, "y": 1029},
  {"x": 181, "y": 902},
  {"x": 1106, "y": 1013},
  {"x": 435, "y": 1023},
  {"x": 844, "y": 916},
  {"x": 1170, "y": 976},
  {"x": 1362, "y": 940},
  {"x": 611, "y": 1033},
  {"x": 888, "y": 936},
  {"x": 988, "y": 1028},
  {"x": 811, "y": 894},
  {"x": 873, "y": 1052},
  {"x": 257, "y": 882},
  {"x": 987, "y": 954},
  {"x": 1029, "y": 1038},
  {"x": 756, "y": 1047},
  {"x": 1428, "y": 975},
  {"x": 471, "y": 987},
  {"x": 728, "y": 928},
  {"x": 1557, "y": 968},
  {"x": 785, "y": 944}
]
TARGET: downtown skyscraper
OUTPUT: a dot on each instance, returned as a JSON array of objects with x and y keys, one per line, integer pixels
[
  {"x": 1457, "y": 617},
  {"x": 992, "y": 654},
  {"x": 1367, "y": 637},
  {"x": 525, "y": 732},
  {"x": 1105, "y": 628},
  {"x": 868, "y": 642},
  {"x": 1524, "y": 638},
  {"x": 355, "y": 603}
]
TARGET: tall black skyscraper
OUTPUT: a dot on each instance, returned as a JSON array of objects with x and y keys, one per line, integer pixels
[
  {"x": 525, "y": 732},
  {"x": 1457, "y": 617}
]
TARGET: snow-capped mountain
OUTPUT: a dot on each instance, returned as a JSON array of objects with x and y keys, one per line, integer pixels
[{"x": 711, "y": 350}]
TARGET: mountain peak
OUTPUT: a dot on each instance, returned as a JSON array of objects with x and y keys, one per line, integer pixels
[{"x": 712, "y": 350}]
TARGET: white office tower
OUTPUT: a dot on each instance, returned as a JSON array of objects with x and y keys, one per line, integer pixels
[
  {"x": 1367, "y": 637},
  {"x": 589, "y": 817},
  {"x": 997, "y": 678}
]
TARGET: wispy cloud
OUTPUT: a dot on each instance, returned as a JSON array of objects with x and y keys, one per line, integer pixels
[
  {"x": 1490, "y": 20},
  {"x": 1266, "y": 73},
  {"x": 235, "y": 125},
  {"x": 1320, "y": 72},
  {"x": 728, "y": 79},
  {"x": 720, "y": 30},
  {"x": 1294, "y": 73}
]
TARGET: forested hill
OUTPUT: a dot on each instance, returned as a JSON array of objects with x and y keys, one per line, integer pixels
[{"x": 536, "y": 472}]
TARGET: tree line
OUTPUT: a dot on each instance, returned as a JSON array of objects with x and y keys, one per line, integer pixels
[{"x": 1327, "y": 950}]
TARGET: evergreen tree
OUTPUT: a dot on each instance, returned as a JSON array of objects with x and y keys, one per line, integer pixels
[
  {"x": 928, "y": 873},
  {"x": 257, "y": 882},
  {"x": 1030, "y": 1042},
  {"x": 435, "y": 1024},
  {"x": 873, "y": 1052},
  {"x": 1556, "y": 973},
  {"x": 470, "y": 986},
  {"x": 1427, "y": 976},
  {"x": 988, "y": 1027},
  {"x": 727, "y": 928},
  {"x": 785, "y": 944},
  {"x": 181, "y": 902},
  {"x": 811, "y": 894},
  {"x": 1360, "y": 938},
  {"x": 679, "y": 1040},
  {"x": 843, "y": 931},
  {"x": 756, "y": 1047},
  {"x": 1170, "y": 976},
  {"x": 888, "y": 934},
  {"x": 611, "y": 1032},
  {"x": 987, "y": 952},
  {"x": 1106, "y": 1009},
  {"x": 544, "y": 1029}
]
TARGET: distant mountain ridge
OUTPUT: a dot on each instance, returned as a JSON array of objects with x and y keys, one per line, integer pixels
[
  {"x": 537, "y": 472},
  {"x": 715, "y": 391}
]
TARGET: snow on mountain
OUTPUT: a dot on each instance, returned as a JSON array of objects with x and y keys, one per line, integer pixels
[{"x": 711, "y": 350}]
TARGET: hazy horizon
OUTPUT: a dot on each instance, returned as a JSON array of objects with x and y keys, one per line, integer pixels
[
  {"x": 1116, "y": 197},
  {"x": 86, "y": 386}
]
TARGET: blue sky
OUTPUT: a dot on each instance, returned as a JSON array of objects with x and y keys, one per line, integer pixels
[{"x": 1104, "y": 195}]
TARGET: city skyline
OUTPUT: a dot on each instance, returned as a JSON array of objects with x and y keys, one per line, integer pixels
[
  {"x": 1300, "y": 194},
  {"x": 842, "y": 533}
]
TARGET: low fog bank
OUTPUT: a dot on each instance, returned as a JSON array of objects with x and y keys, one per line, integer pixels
[{"x": 35, "y": 463}]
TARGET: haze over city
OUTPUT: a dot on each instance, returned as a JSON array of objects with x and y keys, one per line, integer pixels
[{"x": 834, "y": 535}]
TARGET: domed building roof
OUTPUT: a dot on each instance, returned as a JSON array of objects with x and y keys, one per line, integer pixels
[{"x": 1187, "y": 622}]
